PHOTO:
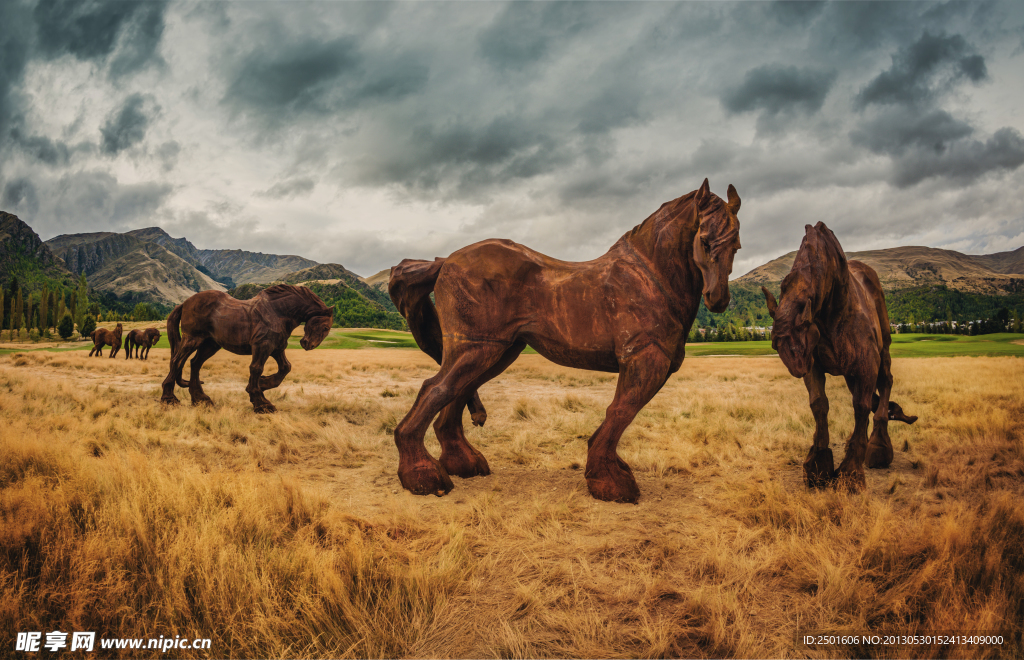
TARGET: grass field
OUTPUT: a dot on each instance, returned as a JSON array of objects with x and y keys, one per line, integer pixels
[
  {"x": 289, "y": 535},
  {"x": 908, "y": 345}
]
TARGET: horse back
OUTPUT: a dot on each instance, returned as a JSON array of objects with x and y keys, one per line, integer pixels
[{"x": 866, "y": 279}]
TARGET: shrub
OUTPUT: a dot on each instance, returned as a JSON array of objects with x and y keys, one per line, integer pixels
[
  {"x": 66, "y": 327},
  {"x": 88, "y": 325}
]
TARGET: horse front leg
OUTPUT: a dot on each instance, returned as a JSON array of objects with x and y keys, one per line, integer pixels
[
  {"x": 610, "y": 478},
  {"x": 283, "y": 368},
  {"x": 851, "y": 471},
  {"x": 260, "y": 404},
  {"x": 819, "y": 466},
  {"x": 880, "y": 444}
]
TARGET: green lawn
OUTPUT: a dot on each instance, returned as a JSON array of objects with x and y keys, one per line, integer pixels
[{"x": 909, "y": 345}]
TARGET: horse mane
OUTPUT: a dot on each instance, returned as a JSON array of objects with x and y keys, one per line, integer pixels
[
  {"x": 295, "y": 301},
  {"x": 819, "y": 255}
]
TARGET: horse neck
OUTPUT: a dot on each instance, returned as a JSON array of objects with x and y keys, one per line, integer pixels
[
  {"x": 665, "y": 242},
  {"x": 297, "y": 309}
]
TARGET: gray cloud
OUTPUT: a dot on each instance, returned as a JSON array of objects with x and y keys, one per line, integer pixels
[
  {"x": 289, "y": 188},
  {"x": 963, "y": 161},
  {"x": 320, "y": 78},
  {"x": 98, "y": 200},
  {"x": 14, "y": 47},
  {"x": 932, "y": 62},
  {"x": 127, "y": 127},
  {"x": 168, "y": 153},
  {"x": 895, "y": 131},
  {"x": 411, "y": 129},
  {"x": 775, "y": 89},
  {"x": 19, "y": 196},
  {"x": 526, "y": 32},
  {"x": 95, "y": 29}
]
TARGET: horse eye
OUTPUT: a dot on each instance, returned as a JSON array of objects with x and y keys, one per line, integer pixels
[{"x": 706, "y": 245}]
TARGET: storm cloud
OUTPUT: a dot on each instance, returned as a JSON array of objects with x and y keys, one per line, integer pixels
[
  {"x": 410, "y": 129},
  {"x": 127, "y": 127}
]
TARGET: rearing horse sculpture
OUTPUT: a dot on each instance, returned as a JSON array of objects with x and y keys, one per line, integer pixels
[
  {"x": 259, "y": 327},
  {"x": 832, "y": 319},
  {"x": 627, "y": 312}
]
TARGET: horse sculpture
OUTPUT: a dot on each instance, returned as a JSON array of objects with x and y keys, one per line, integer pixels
[
  {"x": 831, "y": 318},
  {"x": 260, "y": 327},
  {"x": 141, "y": 341},
  {"x": 102, "y": 337},
  {"x": 627, "y": 312}
]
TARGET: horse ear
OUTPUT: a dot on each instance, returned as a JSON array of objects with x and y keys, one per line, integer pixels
[
  {"x": 770, "y": 299},
  {"x": 703, "y": 193},
  {"x": 734, "y": 200},
  {"x": 808, "y": 314}
]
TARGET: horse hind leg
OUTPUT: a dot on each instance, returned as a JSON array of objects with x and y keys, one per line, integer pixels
[
  {"x": 458, "y": 457},
  {"x": 463, "y": 364},
  {"x": 195, "y": 385},
  {"x": 185, "y": 349},
  {"x": 879, "y": 451}
]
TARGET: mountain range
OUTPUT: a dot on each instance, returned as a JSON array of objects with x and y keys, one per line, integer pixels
[
  {"x": 149, "y": 265},
  {"x": 906, "y": 267}
]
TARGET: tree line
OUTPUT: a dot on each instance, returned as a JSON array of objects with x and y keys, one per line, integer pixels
[{"x": 31, "y": 315}]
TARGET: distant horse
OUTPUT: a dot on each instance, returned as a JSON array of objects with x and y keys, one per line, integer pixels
[
  {"x": 102, "y": 337},
  {"x": 832, "y": 319},
  {"x": 627, "y": 312},
  {"x": 141, "y": 341},
  {"x": 260, "y": 327}
]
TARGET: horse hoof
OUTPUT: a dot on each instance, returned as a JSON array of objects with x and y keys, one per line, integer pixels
[
  {"x": 170, "y": 401},
  {"x": 426, "y": 479},
  {"x": 203, "y": 402},
  {"x": 819, "y": 469},
  {"x": 609, "y": 490},
  {"x": 879, "y": 457},
  {"x": 264, "y": 408},
  {"x": 465, "y": 464},
  {"x": 479, "y": 418}
]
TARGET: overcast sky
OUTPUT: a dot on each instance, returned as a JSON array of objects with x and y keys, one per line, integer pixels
[{"x": 364, "y": 133}]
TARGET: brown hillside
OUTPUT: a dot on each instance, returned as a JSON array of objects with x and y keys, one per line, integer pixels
[
  {"x": 904, "y": 267},
  {"x": 132, "y": 269}
]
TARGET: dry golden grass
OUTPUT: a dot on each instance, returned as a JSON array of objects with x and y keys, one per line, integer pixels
[{"x": 290, "y": 536}]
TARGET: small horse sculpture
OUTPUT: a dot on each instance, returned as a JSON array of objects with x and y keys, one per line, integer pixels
[
  {"x": 832, "y": 319},
  {"x": 260, "y": 327},
  {"x": 627, "y": 312},
  {"x": 102, "y": 337},
  {"x": 141, "y": 341}
]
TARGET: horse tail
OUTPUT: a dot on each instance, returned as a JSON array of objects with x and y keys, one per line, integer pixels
[
  {"x": 174, "y": 336},
  {"x": 895, "y": 410},
  {"x": 410, "y": 286},
  {"x": 173, "y": 331}
]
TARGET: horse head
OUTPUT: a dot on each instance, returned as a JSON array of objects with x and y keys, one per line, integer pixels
[
  {"x": 316, "y": 329},
  {"x": 716, "y": 243},
  {"x": 796, "y": 334}
]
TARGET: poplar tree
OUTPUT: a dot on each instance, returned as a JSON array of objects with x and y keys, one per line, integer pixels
[
  {"x": 83, "y": 301},
  {"x": 43, "y": 299}
]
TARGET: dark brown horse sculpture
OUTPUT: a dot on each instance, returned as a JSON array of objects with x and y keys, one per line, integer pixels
[
  {"x": 260, "y": 326},
  {"x": 141, "y": 341},
  {"x": 627, "y": 312},
  {"x": 832, "y": 319},
  {"x": 102, "y": 337}
]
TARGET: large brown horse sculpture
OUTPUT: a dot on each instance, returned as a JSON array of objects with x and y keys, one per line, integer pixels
[
  {"x": 261, "y": 326},
  {"x": 102, "y": 337},
  {"x": 831, "y": 318},
  {"x": 141, "y": 341},
  {"x": 627, "y": 312}
]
